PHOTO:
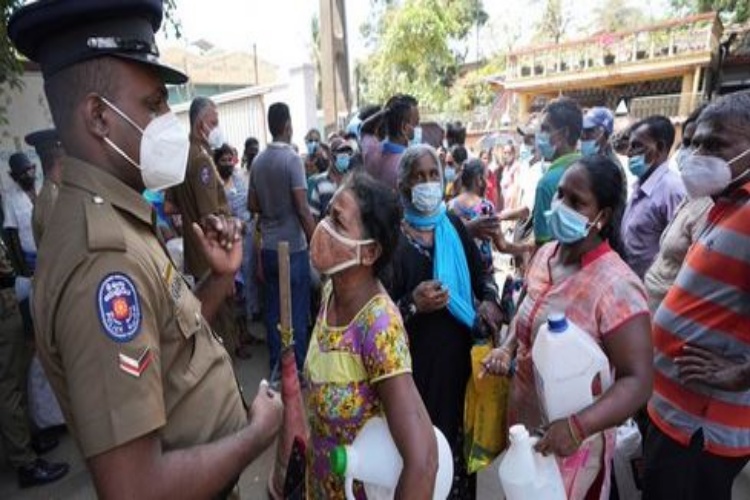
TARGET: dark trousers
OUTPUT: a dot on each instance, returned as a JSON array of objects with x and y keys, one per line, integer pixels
[
  {"x": 299, "y": 270},
  {"x": 676, "y": 472}
]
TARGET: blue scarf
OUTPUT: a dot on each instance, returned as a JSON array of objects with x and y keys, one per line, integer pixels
[{"x": 450, "y": 266}]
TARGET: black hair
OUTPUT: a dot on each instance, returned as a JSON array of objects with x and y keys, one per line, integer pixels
[
  {"x": 397, "y": 113},
  {"x": 488, "y": 151},
  {"x": 380, "y": 210},
  {"x": 224, "y": 149},
  {"x": 197, "y": 107},
  {"x": 251, "y": 141},
  {"x": 313, "y": 131},
  {"x": 471, "y": 172},
  {"x": 367, "y": 111},
  {"x": 278, "y": 117},
  {"x": 356, "y": 162},
  {"x": 607, "y": 184},
  {"x": 459, "y": 154},
  {"x": 455, "y": 133},
  {"x": 660, "y": 129},
  {"x": 565, "y": 113},
  {"x": 68, "y": 87},
  {"x": 729, "y": 109}
]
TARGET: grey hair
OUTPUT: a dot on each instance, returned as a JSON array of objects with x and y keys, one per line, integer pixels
[
  {"x": 409, "y": 160},
  {"x": 198, "y": 107},
  {"x": 732, "y": 108}
]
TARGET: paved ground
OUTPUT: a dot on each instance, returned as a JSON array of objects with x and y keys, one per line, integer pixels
[{"x": 77, "y": 484}]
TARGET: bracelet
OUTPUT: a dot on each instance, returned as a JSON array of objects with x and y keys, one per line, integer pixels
[
  {"x": 578, "y": 426},
  {"x": 576, "y": 440}
]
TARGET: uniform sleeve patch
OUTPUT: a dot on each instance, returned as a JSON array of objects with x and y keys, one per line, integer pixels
[
  {"x": 205, "y": 175},
  {"x": 119, "y": 307}
]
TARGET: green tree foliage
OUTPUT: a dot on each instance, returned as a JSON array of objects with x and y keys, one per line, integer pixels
[
  {"x": 416, "y": 48},
  {"x": 731, "y": 10},
  {"x": 472, "y": 90},
  {"x": 554, "y": 22},
  {"x": 618, "y": 15}
]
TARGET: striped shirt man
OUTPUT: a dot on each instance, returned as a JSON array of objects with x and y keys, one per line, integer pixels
[{"x": 709, "y": 307}]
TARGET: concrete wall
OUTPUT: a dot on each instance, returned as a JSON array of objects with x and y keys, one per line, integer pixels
[{"x": 26, "y": 111}]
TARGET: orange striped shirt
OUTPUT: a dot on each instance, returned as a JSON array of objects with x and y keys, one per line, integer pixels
[{"x": 708, "y": 306}]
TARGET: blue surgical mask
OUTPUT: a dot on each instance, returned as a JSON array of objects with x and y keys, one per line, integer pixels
[
  {"x": 342, "y": 163},
  {"x": 450, "y": 174},
  {"x": 426, "y": 197},
  {"x": 566, "y": 225},
  {"x": 417, "y": 139},
  {"x": 544, "y": 145},
  {"x": 589, "y": 148},
  {"x": 312, "y": 147},
  {"x": 637, "y": 165}
]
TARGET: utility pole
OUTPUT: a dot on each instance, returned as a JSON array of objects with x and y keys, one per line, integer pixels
[{"x": 336, "y": 96}]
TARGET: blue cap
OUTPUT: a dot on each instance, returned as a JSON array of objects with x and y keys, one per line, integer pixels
[
  {"x": 60, "y": 33},
  {"x": 599, "y": 117},
  {"x": 557, "y": 322}
]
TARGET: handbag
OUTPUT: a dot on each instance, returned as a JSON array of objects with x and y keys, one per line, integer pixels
[{"x": 485, "y": 413}]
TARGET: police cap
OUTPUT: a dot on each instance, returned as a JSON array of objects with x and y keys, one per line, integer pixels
[{"x": 61, "y": 33}]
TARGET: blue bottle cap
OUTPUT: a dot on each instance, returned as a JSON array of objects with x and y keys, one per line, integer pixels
[{"x": 557, "y": 323}]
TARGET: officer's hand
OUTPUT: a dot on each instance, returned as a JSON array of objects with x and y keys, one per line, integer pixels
[
  {"x": 266, "y": 412},
  {"x": 220, "y": 238}
]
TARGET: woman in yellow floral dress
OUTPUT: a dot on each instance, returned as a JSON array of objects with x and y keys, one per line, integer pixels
[{"x": 358, "y": 364}]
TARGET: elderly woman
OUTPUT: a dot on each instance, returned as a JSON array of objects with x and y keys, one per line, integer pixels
[
  {"x": 445, "y": 297},
  {"x": 582, "y": 274}
]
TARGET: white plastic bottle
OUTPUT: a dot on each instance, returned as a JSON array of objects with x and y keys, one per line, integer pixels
[
  {"x": 526, "y": 474},
  {"x": 566, "y": 361},
  {"x": 374, "y": 460}
]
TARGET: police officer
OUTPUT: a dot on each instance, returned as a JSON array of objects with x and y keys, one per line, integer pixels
[
  {"x": 14, "y": 422},
  {"x": 50, "y": 153},
  {"x": 146, "y": 386},
  {"x": 200, "y": 195}
]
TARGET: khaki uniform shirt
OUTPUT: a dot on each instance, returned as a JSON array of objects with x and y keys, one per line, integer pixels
[
  {"x": 200, "y": 195},
  {"x": 43, "y": 208},
  {"x": 120, "y": 334}
]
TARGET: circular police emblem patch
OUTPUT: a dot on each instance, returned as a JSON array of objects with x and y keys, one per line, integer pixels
[
  {"x": 119, "y": 307},
  {"x": 205, "y": 175}
]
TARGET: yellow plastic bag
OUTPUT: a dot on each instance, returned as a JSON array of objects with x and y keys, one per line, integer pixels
[{"x": 485, "y": 414}]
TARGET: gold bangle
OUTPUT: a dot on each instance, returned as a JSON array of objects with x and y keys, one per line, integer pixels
[{"x": 576, "y": 439}]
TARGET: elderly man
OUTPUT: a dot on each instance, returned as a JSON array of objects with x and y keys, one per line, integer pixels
[
  {"x": 148, "y": 390},
  {"x": 699, "y": 439},
  {"x": 202, "y": 193}
]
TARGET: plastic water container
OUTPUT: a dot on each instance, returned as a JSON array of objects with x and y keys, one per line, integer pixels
[
  {"x": 566, "y": 361},
  {"x": 374, "y": 460},
  {"x": 526, "y": 474}
]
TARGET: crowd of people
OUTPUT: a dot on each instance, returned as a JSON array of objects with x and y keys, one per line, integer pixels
[{"x": 394, "y": 229}]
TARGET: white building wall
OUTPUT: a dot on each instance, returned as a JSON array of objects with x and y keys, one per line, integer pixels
[{"x": 26, "y": 112}]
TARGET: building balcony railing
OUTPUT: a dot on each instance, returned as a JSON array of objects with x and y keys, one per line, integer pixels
[
  {"x": 670, "y": 105},
  {"x": 695, "y": 35}
]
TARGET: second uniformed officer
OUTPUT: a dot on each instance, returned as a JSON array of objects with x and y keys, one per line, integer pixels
[{"x": 146, "y": 387}]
